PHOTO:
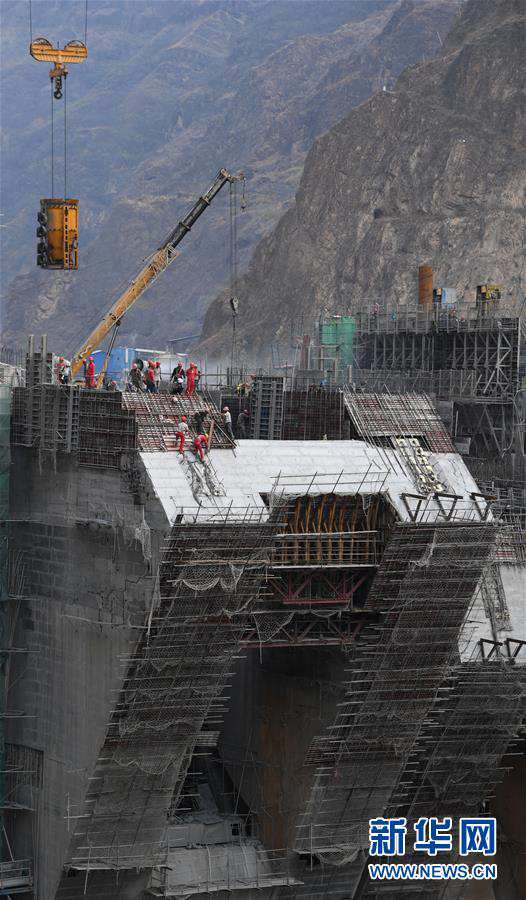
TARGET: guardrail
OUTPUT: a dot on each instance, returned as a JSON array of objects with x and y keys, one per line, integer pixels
[{"x": 16, "y": 875}]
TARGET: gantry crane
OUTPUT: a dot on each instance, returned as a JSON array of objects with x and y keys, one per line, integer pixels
[{"x": 157, "y": 263}]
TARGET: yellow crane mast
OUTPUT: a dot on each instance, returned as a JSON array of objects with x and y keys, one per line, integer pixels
[{"x": 158, "y": 262}]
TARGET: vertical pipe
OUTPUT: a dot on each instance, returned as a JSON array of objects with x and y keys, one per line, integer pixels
[
  {"x": 425, "y": 287},
  {"x": 43, "y": 358}
]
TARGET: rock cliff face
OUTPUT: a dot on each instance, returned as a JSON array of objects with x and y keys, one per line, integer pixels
[
  {"x": 432, "y": 171},
  {"x": 171, "y": 92}
]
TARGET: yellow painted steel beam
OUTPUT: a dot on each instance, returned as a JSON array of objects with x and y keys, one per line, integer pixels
[{"x": 44, "y": 51}]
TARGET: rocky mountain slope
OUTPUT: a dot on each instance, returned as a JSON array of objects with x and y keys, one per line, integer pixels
[
  {"x": 434, "y": 170},
  {"x": 171, "y": 92}
]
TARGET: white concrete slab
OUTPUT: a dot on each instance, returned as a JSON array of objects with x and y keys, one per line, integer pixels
[{"x": 295, "y": 467}]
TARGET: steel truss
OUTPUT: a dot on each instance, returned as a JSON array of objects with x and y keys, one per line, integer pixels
[{"x": 479, "y": 362}]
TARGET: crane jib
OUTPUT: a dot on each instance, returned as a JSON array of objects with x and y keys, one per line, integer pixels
[
  {"x": 163, "y": 256},
  {"x": 189, "y": 220}
]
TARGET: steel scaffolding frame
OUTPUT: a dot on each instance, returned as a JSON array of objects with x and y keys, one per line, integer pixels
[
  {"x": 399, "y": 672},
  {"x": 171, "y": 701}
]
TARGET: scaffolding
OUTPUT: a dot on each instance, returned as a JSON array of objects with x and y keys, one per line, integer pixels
[
  {"x": 399, "y": 683},
  {"x": 393, "y": 319},
  {"x": 171, "y": 702},
  {"x": 205, "y": 870},
  {"x": 100, "y": 426},
  {"x": 478, "y": 362},
  {"x": 327, "y": 563},
  {"x": 58, "y": 418}
]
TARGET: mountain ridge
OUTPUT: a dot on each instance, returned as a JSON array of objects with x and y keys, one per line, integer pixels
[
  {"x": 411, "y": 175},
  {"x": 262, "y": 118}
]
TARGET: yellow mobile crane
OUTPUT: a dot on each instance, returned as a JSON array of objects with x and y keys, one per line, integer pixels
[{"x": 157, "y": 263}]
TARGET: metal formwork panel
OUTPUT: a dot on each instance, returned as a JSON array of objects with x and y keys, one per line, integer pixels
[{"x": 266, "y": 408}]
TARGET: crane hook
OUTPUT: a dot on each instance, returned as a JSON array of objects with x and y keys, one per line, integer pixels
[{"x": 57, "y": 93}]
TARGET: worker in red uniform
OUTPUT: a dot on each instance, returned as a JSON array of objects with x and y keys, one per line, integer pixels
[
  {"x": 182, "y": 433},
  {"x": 60, "y": 367},
  {"x": 149, "y": 378},
  {"x": 200, "y": 446},
  {"x": 190, "y": 379},
  {"x": 89, "y": 373}
]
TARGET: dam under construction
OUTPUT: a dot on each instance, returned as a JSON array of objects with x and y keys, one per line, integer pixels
[{"x": 217, "y": 671}]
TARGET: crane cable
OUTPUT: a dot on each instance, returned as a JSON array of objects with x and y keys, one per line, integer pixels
[
  {"x": 65, "y": 107},
  {"x": 52, "y": 142},
  {"x": 233, "y": 268},
  {"x": 65, "y": 138}
]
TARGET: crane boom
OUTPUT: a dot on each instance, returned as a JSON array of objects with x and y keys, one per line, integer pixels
[{"x": 158, "y": 262}]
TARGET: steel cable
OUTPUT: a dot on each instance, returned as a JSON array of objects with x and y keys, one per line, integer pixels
[
  {"x": 52, "y": 144},
  {"x": 65, "y": 137}
]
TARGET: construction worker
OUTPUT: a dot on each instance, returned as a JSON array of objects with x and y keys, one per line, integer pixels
[
  {"x": 177, "y": 379},
  {"x": 243, "y": 388},
  {"x": 136, "y": 383},
  {"x": 149, "y": 378},
  {"x": 191, "y": 372},
  {"x": 60, "y": 367},
  {"x": 89, "y": 373},
  {"x": 157, "y": 375},
  {"x": 227, "y": 422},
  {"x": 199, "y": 421},
  {"x": 182, "y": 433},
  {"x": 112, "y": 386},
  {"x": 201, "y": 446},
  {"x": 242, "y": 423}
]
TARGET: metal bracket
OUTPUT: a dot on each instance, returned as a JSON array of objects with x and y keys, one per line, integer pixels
[
  {"x": 493, "y": 648},
  {"x": 488, "y": 499},
  {"x": 438, "y": 498},
  {"x": 413, "y": 514},
  {"x": 517, "y": 647}
]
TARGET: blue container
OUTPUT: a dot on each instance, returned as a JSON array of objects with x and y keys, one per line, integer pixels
[{"x": 120, "y": 361}]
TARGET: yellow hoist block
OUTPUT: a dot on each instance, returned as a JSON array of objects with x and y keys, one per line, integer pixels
[
  {"x": 43, "y": 50},
  {"x": 58, "y": 234}
]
